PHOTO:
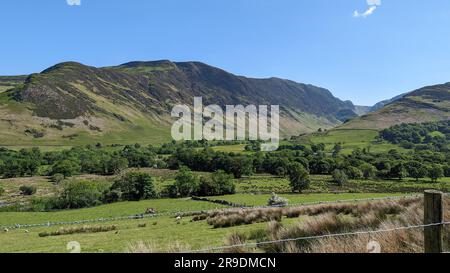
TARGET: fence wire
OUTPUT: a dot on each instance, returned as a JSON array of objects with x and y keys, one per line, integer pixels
[{"x": 256, "y": 244}]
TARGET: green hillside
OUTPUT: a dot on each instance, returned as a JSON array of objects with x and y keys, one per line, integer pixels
[
  {"x": 427, "y": 104},
  {"x": 72, "y": 104}
]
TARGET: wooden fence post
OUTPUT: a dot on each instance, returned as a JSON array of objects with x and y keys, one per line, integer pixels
[{"x": 433, "y": 214}]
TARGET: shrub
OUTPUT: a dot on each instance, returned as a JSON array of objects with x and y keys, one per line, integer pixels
[
  {"x": 111, "y": 196},
  {"x": 2, "y": 191},
  {"x": 57, "y": 178},
  {"x": 78, "y": 230},
  {"x": 134, "y": 186},
  {"x": 27, "y": 190},
  {"x": 80, "y": 194}
]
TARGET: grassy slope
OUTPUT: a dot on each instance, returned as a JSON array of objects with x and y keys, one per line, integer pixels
[
  {"x": 16, "y": 118},
  {"x": 350, "y": 139},
  {"x": 428, "y": 104}
]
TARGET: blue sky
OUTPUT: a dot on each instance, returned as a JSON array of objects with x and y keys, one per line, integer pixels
[{"x": 361, "y": 52}]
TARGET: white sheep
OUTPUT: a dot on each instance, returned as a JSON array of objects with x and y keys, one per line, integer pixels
[
  {"x": 6, "y": 230},
  {"x": 178, "y": 218}
]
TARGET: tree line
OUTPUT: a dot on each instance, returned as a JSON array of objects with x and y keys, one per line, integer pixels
[{"x": 433, "y": 136}]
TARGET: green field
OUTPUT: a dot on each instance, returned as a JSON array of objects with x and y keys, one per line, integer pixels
[
  {"x": 160, "y": 232},
  {"x": 163, "y": 232},
  {"x": 106, "y": 211},
  {"x": 351, "y": 140},
  {"x": 294, "y": 199},
  {"x": 230, "y": 148}
]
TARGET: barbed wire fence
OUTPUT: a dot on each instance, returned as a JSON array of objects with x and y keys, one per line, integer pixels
[
  {"x": 433, "y": 232},
  {"x": 369, "y": 232}
]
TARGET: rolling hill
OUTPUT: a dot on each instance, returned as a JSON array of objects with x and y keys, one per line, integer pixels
[
  {"x": 71, "y": 103},
  {"x": 431, "y": 103}
]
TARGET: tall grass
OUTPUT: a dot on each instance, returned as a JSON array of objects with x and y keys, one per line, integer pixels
[
  {"x": 147, "y": 247},
  {"x": 245, "y": 217},
  {"x": 342, "y": 218}
]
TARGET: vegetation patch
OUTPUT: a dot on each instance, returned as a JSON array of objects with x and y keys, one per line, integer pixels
[{"x": 78, "y": 230}]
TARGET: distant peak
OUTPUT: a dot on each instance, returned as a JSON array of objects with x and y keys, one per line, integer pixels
[{"x": 64, "y": 65}]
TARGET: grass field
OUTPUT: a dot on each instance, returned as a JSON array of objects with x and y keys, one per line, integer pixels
[
  {"x": 230, "y": 148},
  {"x": 165, "y": 233},
  {"x": 160, "y": 232},
  {"x": 350, "y": 140},
  {"x": 106, "y": 211},
  {"x": 262, "y": 199}
]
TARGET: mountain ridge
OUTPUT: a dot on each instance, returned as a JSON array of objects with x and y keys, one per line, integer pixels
[
  {"x": 72, "y": 103},
  {"x": 426, "y": 104},
  {"x": 139, "y": 95}
]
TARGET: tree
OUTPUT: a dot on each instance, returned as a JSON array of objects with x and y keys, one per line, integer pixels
[
  {"x": 186, "y": 183},
  {"x": 207, "y": 187},
  {"x": 115, "y": 165},
  {"x": 135, "y": 186},
  {"x": 339, "y": 177},
  {"x": 80, "y": 194},
  {"x": 240, "y": 166},
  {"x": 337, "y": 149},
  {"x": 219, "y": 183},
  {"x": 447, "y": 170},
  {"x": 298, "y": 177},
  {"x": 280, "y": 171},
  {"x": 13, "y": 168},
  {"x": 318, "y": 147},
  {"x": 224, "y": 182},
  {"x": 353, "y": 172},
  {"x": 435, "y": 172},
  {"x": 416, "y": 170},
  {"x": 369, "y": 171},
  {"x": 66, "y": 168},
  {"x": 398, "y": 171}
]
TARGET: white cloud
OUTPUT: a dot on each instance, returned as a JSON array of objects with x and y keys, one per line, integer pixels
[
  {"x": 74, "y": 2},
  {"x": 368, "y": 12},
  {"x": 374, "y": 2},
  {"x": 373, "y": 5}
]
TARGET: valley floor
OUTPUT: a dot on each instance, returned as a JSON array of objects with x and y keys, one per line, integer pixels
[{"x": 163, "y": 232}]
